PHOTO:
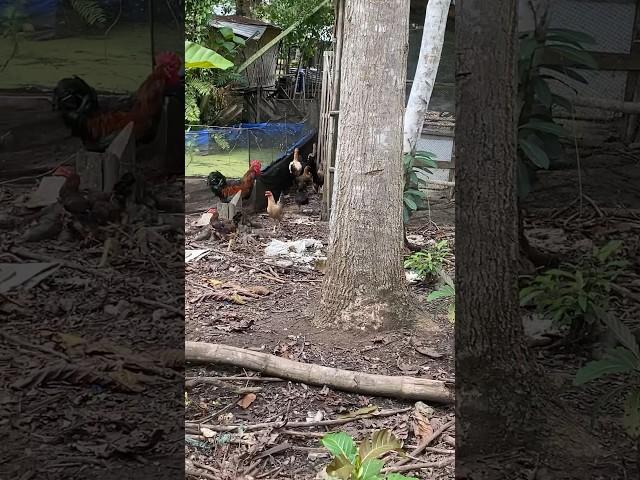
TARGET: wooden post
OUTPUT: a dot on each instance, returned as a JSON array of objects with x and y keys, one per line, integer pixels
[{"x": 632, "y": 89}]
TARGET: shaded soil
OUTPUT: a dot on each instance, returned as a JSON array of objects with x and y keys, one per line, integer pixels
[
  {"x": 559, "y": 222},
  {"x": 279, "y": 324},
  {"x": 90, "y": 376}
]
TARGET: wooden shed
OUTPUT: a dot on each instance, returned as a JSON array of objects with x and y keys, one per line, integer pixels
[{"x": 262, "y": 72}]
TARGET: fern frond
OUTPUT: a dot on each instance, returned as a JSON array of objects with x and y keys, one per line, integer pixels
[{"x": 89, "y": 10}]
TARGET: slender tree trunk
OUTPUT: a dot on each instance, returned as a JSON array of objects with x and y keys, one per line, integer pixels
[
  {"x": 503, "y": 398},
  {"x": 435, "y": 23},
  {"x": 364, "y": 285}
]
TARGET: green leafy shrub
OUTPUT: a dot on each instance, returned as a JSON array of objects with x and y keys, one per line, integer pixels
[
  {"x": 413, "y": 198},
  {"x": 449, "y": 292},
  {"x": 538, "y": 133},
  {"x": 622, "y": 360},
  {"x": 427, "y": 263},
  {"x": 573, "y": 294},
  {"x": 362, "y": 462}
]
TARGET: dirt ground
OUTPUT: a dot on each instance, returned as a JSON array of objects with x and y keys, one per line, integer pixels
[
  {"x": 91, "y": 356},
  {"x": 279, "y": 323},
  {"x": 559, "y": 223}
]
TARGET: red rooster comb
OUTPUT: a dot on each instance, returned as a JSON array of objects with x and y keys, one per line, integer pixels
[
  {"x": 169, "y": 59},
  {"x": 63, "y": 172},
  {"x": 256, "y": 166}
]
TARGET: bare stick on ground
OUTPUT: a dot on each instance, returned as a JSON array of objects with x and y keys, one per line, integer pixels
[{"x": 409, "y": 388}]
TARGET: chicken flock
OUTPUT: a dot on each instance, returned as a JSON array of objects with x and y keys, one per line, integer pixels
[{"x": 277, "y": 180}]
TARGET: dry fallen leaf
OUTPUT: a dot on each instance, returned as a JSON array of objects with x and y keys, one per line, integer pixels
[
  {"x": 422, "y": 429},
  {"x": 207, "y": 432},
  {"x": 361, "y": 411},
  {"x": 429, "y": 352},
  {"x": 246, "y": 401}
]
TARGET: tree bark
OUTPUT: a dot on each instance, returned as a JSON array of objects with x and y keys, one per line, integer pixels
[
  {"x": 503, "y": 400},
  {"x": 435, "y": 23},
  {"x": 364, "y": 285}
]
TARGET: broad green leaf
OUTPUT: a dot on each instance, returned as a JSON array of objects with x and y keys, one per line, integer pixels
[
  {"x": 566, "y": 71},
  {"x": 415, "y": 193},
  {"x": 229, "y": 46},
  {"x": 240, "y": 41},
  {"x": 607, "y": 366},
  {"x": 370, "y": 469},
  {"x": 542, "y": 91},
  {"x": 547, "y": 127},
  {"x": 528, "y": 46},
  {"x": 579, "y": 57},
  {"x": 197, "y": 56},
  {"x": 534, "y": 153},
  {"x": 631, "y": 420},
  {"x": 397, "y": 476},
  {"x": 339, "y": 443},
  {"x": 579, "y": 37},
  {"x": 582, "y": 303},
  {"x": 444, "y": 292},
  {"x": 451, "y": 312},
  {"x": 622, "y": 333},
  {"x": 378, "y": 444},
  {"x": 609, "y": 249},
  {"x": 405, "y": 215},
  {"x": 525, "y": 178},
  {"x": 560, "y": 80},
  {"x": 226, "y": 32},
  {"x": 340, "y": 467},
  {"x": 562, "y": 102},
  {"x": 410, "y": 203}
]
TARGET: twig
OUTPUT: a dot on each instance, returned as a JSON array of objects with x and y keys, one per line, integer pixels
[
  {"x": 420, "y": 448},
  {"x": 625, "y": 292},
  {"x": 593, "y": 204},
  {"x": 320, "y": 423},
  {"x": 189, "y": 383},
  {"x": 21, "y": 252},
  {"x": 154, "y": 303},
  {"x": 245, "y": 379},
  {"x": 40, "y": 348},
  {"x": 419, "y": 466}
]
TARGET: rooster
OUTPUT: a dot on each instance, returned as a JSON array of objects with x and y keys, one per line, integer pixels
[
  {"x": 97, "y": 128},
  {"x": 225, "y": 189}
]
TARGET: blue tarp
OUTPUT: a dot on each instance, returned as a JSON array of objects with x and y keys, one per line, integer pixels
[
  {"x": 34, "y": 7},
  {"x": 200, "y": 138}
]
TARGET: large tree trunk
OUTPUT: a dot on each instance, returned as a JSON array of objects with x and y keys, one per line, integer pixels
[
  {"x": 489, "y": 333},
  {"x": 503, "y": 399},
  {"x": 435, "y": 23},
  {"x": 364, "y": 285}
]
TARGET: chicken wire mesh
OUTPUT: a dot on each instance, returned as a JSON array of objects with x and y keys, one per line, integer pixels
[
  {"x": 610, "y": 23},
  {"x": 230, "y": 149},
  {"x": 108, "y": 43}
]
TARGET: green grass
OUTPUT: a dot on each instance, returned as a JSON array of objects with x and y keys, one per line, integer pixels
[
  {"x": 118, "y": 63},
  {"x": 233, "y": 164}
]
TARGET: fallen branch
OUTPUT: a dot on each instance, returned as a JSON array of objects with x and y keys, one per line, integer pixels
[
  {"x": 281, "y": 424},
  {"x": 242, "y": 379},
  {"x": 405, "y": 387}
]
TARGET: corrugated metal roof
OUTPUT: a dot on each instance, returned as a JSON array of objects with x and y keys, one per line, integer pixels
[
  {"x": 254, "y": 32},
  {"x": 242, "y": 20}
]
